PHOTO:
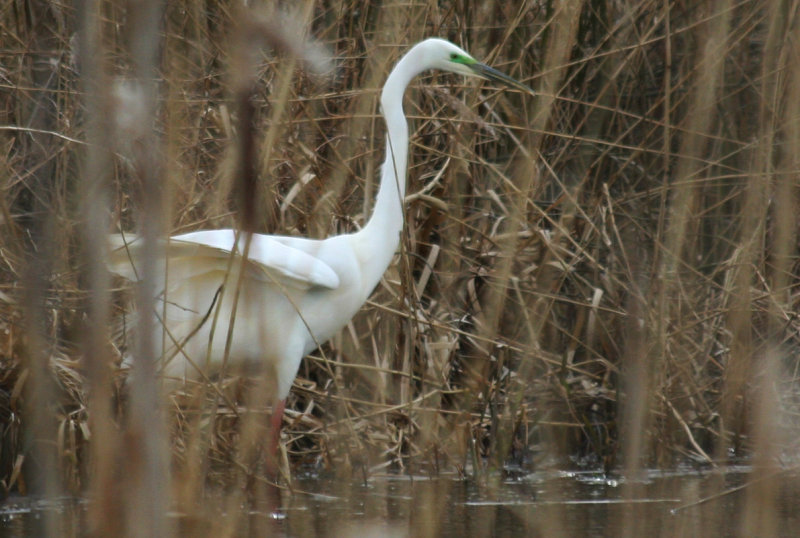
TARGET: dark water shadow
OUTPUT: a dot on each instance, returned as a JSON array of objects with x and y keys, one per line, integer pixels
[{"x": 683, "y": 502}]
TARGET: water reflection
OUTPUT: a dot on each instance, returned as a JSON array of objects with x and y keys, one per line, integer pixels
[{"x": 680, "y": 503}]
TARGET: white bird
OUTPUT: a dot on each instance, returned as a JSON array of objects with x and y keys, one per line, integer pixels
[{"x": 296, "y": 293}]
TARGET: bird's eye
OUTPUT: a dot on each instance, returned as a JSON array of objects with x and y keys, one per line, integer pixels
[{"x": 453, "y": 56}]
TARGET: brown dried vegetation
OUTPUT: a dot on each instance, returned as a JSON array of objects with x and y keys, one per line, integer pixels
[{"x": 604, "y": 275}]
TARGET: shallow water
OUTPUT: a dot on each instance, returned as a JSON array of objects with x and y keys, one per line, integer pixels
[{"x": 680, "y": 503}]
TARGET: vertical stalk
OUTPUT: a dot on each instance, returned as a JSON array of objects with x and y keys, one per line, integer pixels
[{"x": 148, "y": 451}]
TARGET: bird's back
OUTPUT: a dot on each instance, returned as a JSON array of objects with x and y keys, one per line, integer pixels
[{"x": 283, "y": 310}]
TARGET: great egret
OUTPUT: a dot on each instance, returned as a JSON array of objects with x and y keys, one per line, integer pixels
[{"x": 295, "y": 293}]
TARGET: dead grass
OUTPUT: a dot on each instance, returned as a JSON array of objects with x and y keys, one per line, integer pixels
[{"x": 605, "y": 275}]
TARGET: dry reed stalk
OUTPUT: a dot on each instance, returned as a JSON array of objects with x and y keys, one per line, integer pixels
[
  {"x": 145, "y": 481},
  {"x": 105, "y": 510},
  {"x": 644, "y": 366},
  {"x": 40, "y": 472},
  {"x": 778, "y": 74}
]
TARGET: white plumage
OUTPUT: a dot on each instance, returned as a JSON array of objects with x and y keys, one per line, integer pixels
[{"x": 296, "y": 293}]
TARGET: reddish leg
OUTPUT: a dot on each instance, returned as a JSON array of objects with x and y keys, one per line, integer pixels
[{"x": 273, "y": 438}]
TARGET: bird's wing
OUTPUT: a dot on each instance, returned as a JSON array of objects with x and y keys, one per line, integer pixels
[{"x": 198, "y": 253}]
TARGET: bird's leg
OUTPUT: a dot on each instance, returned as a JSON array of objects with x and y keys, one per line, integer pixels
[{"x": 273, "y": 439}]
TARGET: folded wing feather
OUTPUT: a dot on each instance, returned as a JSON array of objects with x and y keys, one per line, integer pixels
[{"x": 198, "y": 253}]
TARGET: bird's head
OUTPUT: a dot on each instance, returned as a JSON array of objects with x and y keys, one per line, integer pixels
[{"x": 448, "y": 57}]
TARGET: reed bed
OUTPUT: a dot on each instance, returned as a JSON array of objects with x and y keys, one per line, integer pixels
[{"x": 603, "y": 276}]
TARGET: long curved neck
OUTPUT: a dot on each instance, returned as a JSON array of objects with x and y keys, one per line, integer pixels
[{"x": 378, "y": 240}]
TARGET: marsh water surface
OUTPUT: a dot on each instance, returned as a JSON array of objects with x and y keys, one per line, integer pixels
[{"x": 680, "y": 503}]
